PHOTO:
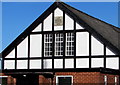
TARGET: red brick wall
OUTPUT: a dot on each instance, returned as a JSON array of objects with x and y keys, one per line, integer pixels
[
  {"x": 88, "y": 77},
  {"x": 78, "y": 78}
]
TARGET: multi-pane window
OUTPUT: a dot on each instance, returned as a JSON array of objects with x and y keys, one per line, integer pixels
[
  {"x": 69, "y": 44},
  {"x": 59, "y": 44},
  {"x": 48, "y": 45}
]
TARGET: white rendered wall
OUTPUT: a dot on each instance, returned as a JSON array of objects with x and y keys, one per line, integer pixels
[
  {"x": 22, "y": 48},
  {"x": 58, "y": 13},
  {"x": 36, "y": 45},
  {"x": 97, "y": 47},
  {"x": 22, "y": 64},
  {"x": 58, "y": 63},
  {"x": 48, "y": 23},
  {"x": 112, "y": 63},
  {"x": 9, "y": 64},
  {"x": 69, "y": 23},
  {"x": 35, "y": 64},
  {"x": 82, "y": 44},
  {"x": 82, "y": 62},
  {"x": 78, "y": 26},
  {"x": 109, "y": 52},
  {"x": 37, "y": 29},
  {"x": 69, "y": 63},
  {"x": 11, "y": 54},
  {"x": 97, "y": 62},
  {"x": 48, "y": 63}
]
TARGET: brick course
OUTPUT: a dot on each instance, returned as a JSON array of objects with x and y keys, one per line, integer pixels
[{"x": 80, "y": 78}]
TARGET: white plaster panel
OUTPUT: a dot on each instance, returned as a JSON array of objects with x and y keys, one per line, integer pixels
[
  {"x": 109, "y": 52},
  {"x": 9, "y": 64},
  {"x": 69, "y": 63},
  {"x": 58, "y": 63},
  {"x": 11, "y": 54},
  {"x": 22, "y": 64},
  {"x": 69, "y": 23},
  {"x": 97, "y": 47},
  {"x": 82, "y": 62},
  {"x": 22, "y": 48},
  {"x": 35, "y": 64},
  {"x": 48, "y": 63},
  {"x": 97, "y": 62},
  {"x": 82, "y": 44},
  {"x": 112, "y": 63},
  {"x": 36, "y": 45},
  {"x": 37, "y": 29},
  {"x": 78, "y": 26},
  {"x": 48, "y": 23}
]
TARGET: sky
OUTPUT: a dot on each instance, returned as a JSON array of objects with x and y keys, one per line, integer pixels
[{"x": 17, "y": 16}]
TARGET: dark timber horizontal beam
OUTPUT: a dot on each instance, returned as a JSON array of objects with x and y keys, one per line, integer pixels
[{"x": 33, "y": 71}]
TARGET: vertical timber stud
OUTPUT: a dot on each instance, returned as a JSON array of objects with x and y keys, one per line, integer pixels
[
  {"x": 28, "y": 51},
  {"x": 3, "y": 62},
  {"x": 42, "y": 47},
  {"x": 74, "y": 44},
  {"x": 104, "y": 56},
  {"x": 53, "y": 39},
  {"x": 90, "y": 50},
  {"x": 64, "y": 39},
  {"x": 15, "y": 57}
]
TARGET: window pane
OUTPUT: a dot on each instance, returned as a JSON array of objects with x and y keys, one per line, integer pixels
[
  {"x": 48, "y": 45},
  {"x": 69, "y": 44},
  {"x": 59, "y": 44}
]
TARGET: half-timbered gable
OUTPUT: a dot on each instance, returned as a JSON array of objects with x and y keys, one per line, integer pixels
[{"x": 64, "y": 39}]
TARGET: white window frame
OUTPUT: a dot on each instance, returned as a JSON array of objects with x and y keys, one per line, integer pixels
[
  {"x": 64, "y": 76},
  {"x": 59, "y": 36},
  {"x": 69, "y": 42},
  {"x": 3, "y": 77}
]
